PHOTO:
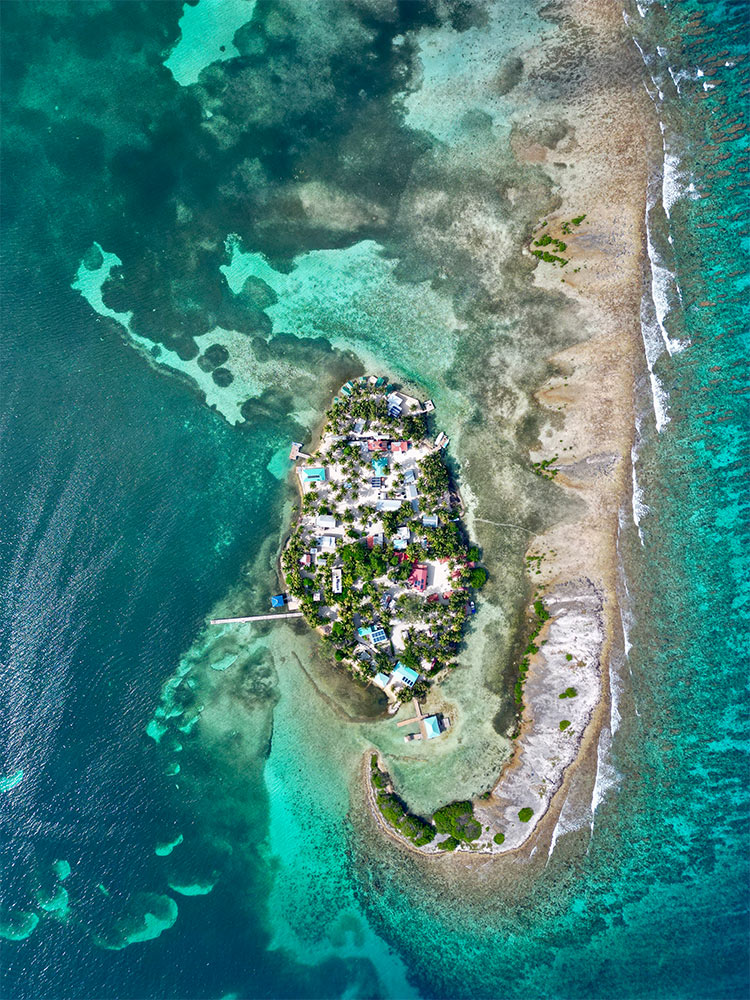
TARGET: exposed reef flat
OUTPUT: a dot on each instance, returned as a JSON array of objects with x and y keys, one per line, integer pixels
[
  {"x": 598, "y": 160},
  {"x": 600, "y": 169}
]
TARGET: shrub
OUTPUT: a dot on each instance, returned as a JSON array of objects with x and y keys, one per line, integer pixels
[
  {"x": 525, "y": 814},
  {"x": 564, "y": 723},
  {"x": 478, "y": 577},
  {"x": 339, "y": 655},
  {"x": 450, "y": 844},
  {"x": 499, "y": 838},
  {"x": 457, "y": 819},
  {"x": 568, "y": 656},
  {"x": 540, "y": 611},
  {"x": 568, "y": 693}
]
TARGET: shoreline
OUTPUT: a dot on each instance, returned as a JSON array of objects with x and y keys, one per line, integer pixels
[{"x": 593, "y": 440}]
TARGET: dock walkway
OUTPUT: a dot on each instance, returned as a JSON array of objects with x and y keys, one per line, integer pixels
[{"x": 255, "y": 618}]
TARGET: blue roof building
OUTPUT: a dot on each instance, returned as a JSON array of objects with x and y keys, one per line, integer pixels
[
  {"x": 432, "y": 726},
  {"x": 405, "y": 675},
  {"x": 277, "y": 601},
  {"x": 317, "y": 475}
]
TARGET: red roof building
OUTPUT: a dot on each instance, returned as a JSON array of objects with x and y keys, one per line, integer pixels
[
  {"x": 373, "y": 445},
  {"x": 418, "y": 578},
  {"x": 399, "y": 445}
]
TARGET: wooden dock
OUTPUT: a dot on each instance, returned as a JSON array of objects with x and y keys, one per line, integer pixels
[
  {"x": 419, "y": 717},
  {"x": 255, "y": 618}
]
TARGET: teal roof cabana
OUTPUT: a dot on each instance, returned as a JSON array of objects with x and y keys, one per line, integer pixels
[
  {"x": 317, "y": 475},
  {"x": 432, "y": 726}
]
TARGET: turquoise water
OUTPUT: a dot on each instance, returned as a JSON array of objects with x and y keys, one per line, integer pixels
[{"x": 187, "y": 820}]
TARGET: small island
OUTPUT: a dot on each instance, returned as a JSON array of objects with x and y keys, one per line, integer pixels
[{"x": 378, "y": 560}]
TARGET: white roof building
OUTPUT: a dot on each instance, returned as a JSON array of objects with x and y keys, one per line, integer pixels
[
  {"x": 325, "y": 521},
  {"x": 383, "y": 505}
]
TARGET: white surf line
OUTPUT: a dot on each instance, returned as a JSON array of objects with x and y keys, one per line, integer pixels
[{"x": 504, "y": 524}]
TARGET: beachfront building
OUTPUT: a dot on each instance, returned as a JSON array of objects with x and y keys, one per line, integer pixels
[
  {"x": 404, "y": 676},
  {"x": 314, "y": 475},
  {"x": 278, "y": 601},
  {"x": 432, "y": 726}
]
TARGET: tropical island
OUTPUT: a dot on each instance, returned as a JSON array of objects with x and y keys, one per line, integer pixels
[{"x": 378, "y": 561}]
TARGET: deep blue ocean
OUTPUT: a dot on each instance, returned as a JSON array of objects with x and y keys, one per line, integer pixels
[{"x": 129, "y": 509}]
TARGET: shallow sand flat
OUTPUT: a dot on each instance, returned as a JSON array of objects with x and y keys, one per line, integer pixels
[{"x": 591, "y": 422}]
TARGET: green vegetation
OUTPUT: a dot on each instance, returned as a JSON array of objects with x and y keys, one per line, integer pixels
[
  {"x": 499, "y": 838},
  {"x": 541, "y": 615},
  {"x": 573, "y": 222},
  {"x": 564, "y": 723},
  {"x": 549, "y": 258},
  {"x": 525, "y": 814},
  {"x": 450, "y": 844},
  {"x": 568, "y": 693},
  {"x": 371, "y": 566},
  {"x": 546, "y": 240},
  {"x": 434, "y": 475},
  {"x": 543, "y": 468},
  {"x": 458, "y": 820},
  {"x": 393, "y": 810},
  {"x": 568, "y": 656}
]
